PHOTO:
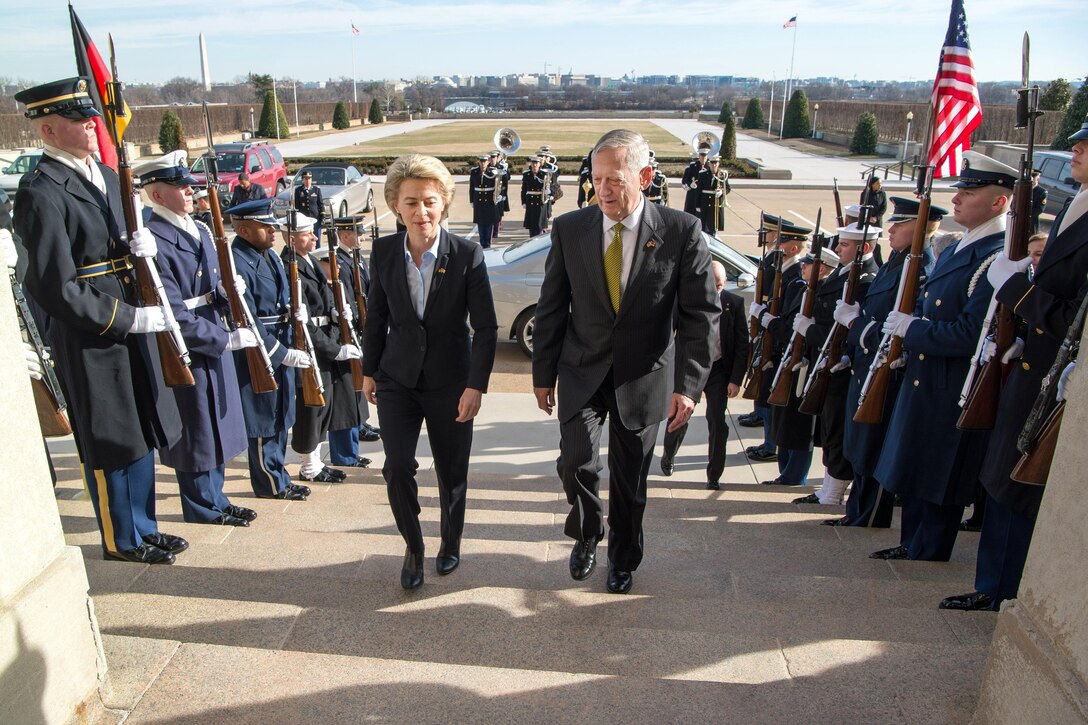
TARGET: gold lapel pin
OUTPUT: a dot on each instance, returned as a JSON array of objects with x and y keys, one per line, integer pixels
[{"x": 651, "y": 244}]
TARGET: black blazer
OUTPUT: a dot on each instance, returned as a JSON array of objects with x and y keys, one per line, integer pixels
[
  {"x": 439, "y": 346},
  {"x": 733, "y": 333}
]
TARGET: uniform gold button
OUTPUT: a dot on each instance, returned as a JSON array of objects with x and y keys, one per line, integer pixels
[
  {"x": 127, "y": 279},
  {"x": 938, "y": 303},
  {"x": 200, "y": 273},
  {"x": 1038, "y": 331},
  {"x": 927, "y": 295},
  {"x": 921, "y": 356},
  {"x": 1025, "y": 366},
  {"x": 916, "y": 383}
]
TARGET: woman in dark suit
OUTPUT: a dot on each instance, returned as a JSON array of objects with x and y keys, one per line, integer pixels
[{"x": 421, "y": 364}]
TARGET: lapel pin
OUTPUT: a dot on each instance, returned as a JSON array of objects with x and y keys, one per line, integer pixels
[{"x": 651, "y": 244}]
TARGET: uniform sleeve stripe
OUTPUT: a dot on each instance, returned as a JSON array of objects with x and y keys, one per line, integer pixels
[
  {"x": 112, "y": 318},
  {"x": 1017, "y": 305}
]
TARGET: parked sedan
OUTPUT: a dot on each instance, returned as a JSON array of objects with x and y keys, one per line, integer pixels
[
  {"x": 344, "y": 189},
  {"x": 24, "y": 164},
  {"x": 517, "y": 272}
]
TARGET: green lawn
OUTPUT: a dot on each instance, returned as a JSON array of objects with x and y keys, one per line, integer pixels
[{"x": 468, "y": 138}]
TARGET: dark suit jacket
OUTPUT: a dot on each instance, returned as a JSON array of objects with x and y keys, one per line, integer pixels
[
  {"x": 400, "y": 345},
  {"x": 733, "y": 333},
  {"x": 578, "y": 338},
  {"x": 240, "y": 195}
]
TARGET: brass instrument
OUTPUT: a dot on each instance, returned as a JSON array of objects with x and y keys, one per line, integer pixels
[
  {"x": 507, "y": 140},
  {"x": 706, "y": 140}
]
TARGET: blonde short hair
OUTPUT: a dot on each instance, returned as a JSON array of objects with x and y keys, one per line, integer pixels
[{"x": 418, "y": 166}]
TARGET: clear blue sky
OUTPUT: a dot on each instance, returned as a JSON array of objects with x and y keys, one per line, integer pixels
[{"x": 311, "y": 40}]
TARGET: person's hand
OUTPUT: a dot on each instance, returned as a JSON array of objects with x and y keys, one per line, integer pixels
[
  {"x": 143, "y": 244},
  {"x": 842, "y": 364},
  {"x": 297, "y": 359},
  {"x": 33, "y": 362},
  {"x": 7, "y": 249},
  {"x": 469, "y": 405},
  {"x": 149, "y": 319},
  {"x": 1064, "y": 379},
  {"x": 545, "y": 399},
  {"x": 348, "y": 314},
  {"x": 242, "y": 338},
  {"x": 801, "y": 324},
  {"x": 756, "y": 309},
  {"x": 897, "y": 323},
  {"x": 239, "y": 287},
  {"x": 303, "y": 314},
  {"x": 766, "y": 319},
  {"x": 732, "y": 390},
  {"x": 846, "y": 312},
  {"x": 370, "y": 390},
  {"x": 1003, "y": 268},
  {"x": 349, "y": 352},
  {"x": 680, "y": 409}
]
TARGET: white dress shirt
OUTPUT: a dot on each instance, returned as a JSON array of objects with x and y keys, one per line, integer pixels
[
  {"x": 628, "y": 237},
  {"x": 995, "y": 225},
  {"x": 419, "y": 278},
  {"x": 87, "y": 168}
]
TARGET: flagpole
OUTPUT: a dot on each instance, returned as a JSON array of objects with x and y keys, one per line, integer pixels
[
  {"x": 276, "y": 108},
  {"x": 789, "y": 85},
  {"x": 354, "y": 79},
  {"x": 770, "y": 115}
]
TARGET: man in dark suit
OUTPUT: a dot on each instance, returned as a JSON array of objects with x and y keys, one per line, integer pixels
[
  {"x": 726, "y": 375},
  {"x": 627, "y": 288},
  {"x": 245, "y": 191},
  {"x": 936, "y": 482},
  {"x": 79, "y": 270},
  {"x": 1047, "y": 302}
]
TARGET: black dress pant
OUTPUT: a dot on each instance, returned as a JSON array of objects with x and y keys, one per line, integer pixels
[
  {"x": 929, "y": 530},
  {"x": 402, "y": 412},
  {"x": 579, "y": 465},
  {"x": 870, "y": 504},
  {"x": 717, "y": 397},
  {"x": 833, "y": 428}
]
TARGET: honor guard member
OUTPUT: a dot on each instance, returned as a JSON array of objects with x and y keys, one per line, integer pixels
[
  {"x": 838, "y": 472},
  {"x": 79, "y": 270},
  {"x": 793, "y": 431},
  {"x": 851, "y": 215},
  {"x": 658, "y": 190},
  {"x": 713, "y": 185},
  {"x": 532, "y": 197},
  {"x": 553, "y": 192},
  {"x": 269, "y": 416},
  {"x": 586, "y": 193},
  {"x": 313, "y": 423},
  {"x": 1047, "y": 302},
  {"x": 769, "y": 247},
  {"x": 689, "y": 182},
  {"x": 941, "y": 338},
  {"x": 308, "y": 201},
  {"x": 869, "y": 504},
  {"x": 481, "y": 193},
  {"x": 344, "y": 437},
  {"x": 502, "y": 201},
  {"x": 202, "y": 208},
  {"x": 212, "y": 427}
]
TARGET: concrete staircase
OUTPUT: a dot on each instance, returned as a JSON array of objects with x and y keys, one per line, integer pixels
[{"x": 744, "y": 610}]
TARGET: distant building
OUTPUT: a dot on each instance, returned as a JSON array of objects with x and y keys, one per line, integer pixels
[{"x": 464, "y": 107}]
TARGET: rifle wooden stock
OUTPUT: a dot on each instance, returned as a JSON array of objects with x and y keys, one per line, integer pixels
[
  {"x": 357, "y": 283},
  {"x": 48, "y": 398},
  {"x": 52, "y": 419},
  {"x": 1034, "y": 466},
  {"x": 347, "y": 335},
  {"x": 765, "y": 342},
  {"x": 312, "y": 395},
  {"x": 783, "y": 382},
  {"x": 871, "y": 409},
  {"x": 813, "y": 402},
  {"x": 838, "y": 203},
  {"x": 755, "y": 381}
]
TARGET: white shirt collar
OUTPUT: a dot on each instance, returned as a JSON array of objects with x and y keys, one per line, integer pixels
[
  {"x": 993, "y": 226},
  {"x": 431, "y": 250},
  {"x": 87, "y": 168},
  {"x": 630, "y": 222},
  {"x": 184, "y": 222}
]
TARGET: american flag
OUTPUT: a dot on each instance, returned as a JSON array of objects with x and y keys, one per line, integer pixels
[
  {"x": 791, "y": 23},
  {"x": 354, "y": 30},
  {"x": 957, "y": 109}
]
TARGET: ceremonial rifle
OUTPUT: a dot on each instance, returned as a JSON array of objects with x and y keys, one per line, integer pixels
[
  {"x": 357, "y": 283},
  {"x": 347, "y": 333},
  {"x": 261, "y": 372},
  {"x": 173, "y": 352},
  {"x": 982, "y": 388},
  {"x": 312, "y": 388},
  {"x": 839, "y": 218},
  {"x": 783, "y": 378},
  {"x": 753, "y": 321},
  {"x": 48, "y": 397},
  {"x": 833, "y": 349},
  {"x": 764, "y": 343}
]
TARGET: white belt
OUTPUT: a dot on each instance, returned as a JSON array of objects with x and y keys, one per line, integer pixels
[
  {"x": 533, "y": 193},
  {"x": 201, "y": 301},
  {"x": 320, "y": 321},
  {"x": 485, "y": 188}
]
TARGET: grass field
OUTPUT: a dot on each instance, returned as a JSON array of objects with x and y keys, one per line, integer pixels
[{"x": 468, "y": 138}]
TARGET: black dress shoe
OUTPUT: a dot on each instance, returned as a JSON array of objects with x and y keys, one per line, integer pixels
[
  {"x": 712, "y": 486},
  {"x": 763, "y": 455},
  {"x": 335, "y": 473},
  {"x": 228, "y": 520},
  {"x": 896, "y": 552},
  {"x": 973, "y": 602},
  {"x": 449, "y": 556},
  {"x": 811, "y": 498},
  {"x": 167, "y": 542},
  {"x": 583, "y": 558},
  {"x": 369, "y": 435},
  {"x": 143, "y": 554},
  {"x": 835, "y": 522},
  {"x": 411, "y": 574},
  {"x": 666, "y": 466},
  {"x": 619, "y": 581},
  {"x": 752, "y": 449},
  {"x": 291, "y": 493},
  {"x": 359, "y": 462},
  {"x": 780, "y": 482},
  {"x": 751, "y": 420},
  {"x": 241, "y": 512},
  {"x": 325, "y": 475},
  {"x": 970, "y": 525},
  {"x": 299, "y": 488}
]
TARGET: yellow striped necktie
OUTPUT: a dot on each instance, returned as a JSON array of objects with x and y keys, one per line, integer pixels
[{"x": 613, "y": 266}]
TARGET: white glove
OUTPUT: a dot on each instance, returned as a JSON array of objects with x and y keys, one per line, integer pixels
[
  {"x": 348, "y": 314},
  {"x": 239, "y": 287},
  {"x": 149, "y": 319},
  {"x": 842, "y": 364},
  {"x": 1003, "y": 268},
  {"x": 846, "y": 313},
  {"x": 989, "y": 349},
  {"x": 142, "y": 244},
  {"x": 349, "y": 352},
  {"x": 897, "y": 323},
  {"x": 1064, "y": 378},
  {"x": 303, "y": 314},
  {"x": 7, "y": 249},
  {"x": 242, "y": 338},
  {"x": 756, "y": 309},
  {"x": 33, "y": 363},
  {"x": 766, "y": 318},
  {"x": 297, "y": 359},
  {"x": 801, "y": 324}
]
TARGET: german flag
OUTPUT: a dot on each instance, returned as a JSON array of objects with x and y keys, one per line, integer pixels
[{"x": 89, "y": 63}]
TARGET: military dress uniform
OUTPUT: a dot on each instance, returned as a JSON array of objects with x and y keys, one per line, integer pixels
[
  {"x": 688, "y": 181},
  {"x": 712, "y": 189},
  {"x": 79, "y": 271},
  {"x": 532, "y": 197},
  {"x": 658, "y": 190},
  {"x": 482, "y": 195},
  {"x": 586, "y": 193},
  {"x": 308, "y": 201},
  {"x": 268, "y": 416}
]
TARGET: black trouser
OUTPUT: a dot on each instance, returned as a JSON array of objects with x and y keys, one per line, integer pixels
[
  {"x": 579, "y": 465},
  {"x": 832, "y": 429},
  {"x": 870, "y": 504},
  {"x": 402, "y": 412},
  {"x": 717, "y": 398},
  {"x": 929, "y": 529}
]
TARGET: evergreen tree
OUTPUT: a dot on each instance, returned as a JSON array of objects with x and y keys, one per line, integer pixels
[
  {"x": 1074, "y": 117},
  {"x": 171, "y": 135},
  {"x": 798, "y": 124},
  {"x": 753, "y": 116},
  {"x": 267, "y": 126},
  {"x": 375, "y": 113},
  {"x": 729, "y": 136},
  {"x": 340, "y": 118},
  {"x": 865, "y": 135},
  {"x": 1056, "y": 95},
  {"x": 725, "y": 112}
]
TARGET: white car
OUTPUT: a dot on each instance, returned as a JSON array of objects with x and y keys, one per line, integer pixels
[
  {"x": 517, "y": 271},
  {"x": 344, "y": 189},
  {"x": 24, "y": 164}
]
